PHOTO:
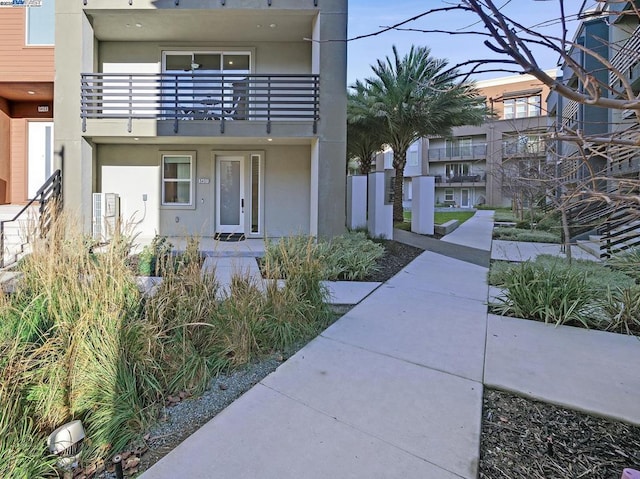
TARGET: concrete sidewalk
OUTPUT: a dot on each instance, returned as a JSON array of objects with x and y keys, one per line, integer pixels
[{"x": 394, "y": 388}]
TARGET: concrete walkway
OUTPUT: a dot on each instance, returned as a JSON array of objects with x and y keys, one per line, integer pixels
[{"x": 394, "y": 388}]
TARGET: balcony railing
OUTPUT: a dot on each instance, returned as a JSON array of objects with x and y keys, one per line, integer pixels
[
  {"x": 200, "y": 96},
  {"x": 472, "y": 152},
  {"x": 461, "y": 179},
  {"x": 517, "y": 148},
  {"x": 570, "y": 114},
  {"x": 627, "y": 56}
]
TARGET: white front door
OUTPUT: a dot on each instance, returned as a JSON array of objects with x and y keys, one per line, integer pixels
[
  {"x": 230, "y": 200},
  {"x": 464, "y": 200},
  {"x": 40, "y": 155}
]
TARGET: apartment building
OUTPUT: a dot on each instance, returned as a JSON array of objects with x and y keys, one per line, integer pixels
[
  {"x": 26, "y": 99},
  {"x": 612, "y": 31},
  {"x": 473, "y": 165},
  {"x": 209, "y": 117}
]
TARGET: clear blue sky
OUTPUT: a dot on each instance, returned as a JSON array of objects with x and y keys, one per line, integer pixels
[{"x": 367, "y": 16}]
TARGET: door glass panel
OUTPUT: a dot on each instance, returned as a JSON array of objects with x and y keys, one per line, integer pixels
[
  {"x": 229, "y": 192},
  {"x": 255, "y": 194}
]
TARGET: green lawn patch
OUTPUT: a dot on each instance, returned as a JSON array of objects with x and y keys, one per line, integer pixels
[
  {"x": 444, "y": 216},
  {"x": 521, "y": 234}
]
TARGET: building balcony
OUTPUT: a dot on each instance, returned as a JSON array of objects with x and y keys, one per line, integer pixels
[
  {"x": 474, "y": 152},
  {"x": 627, "y": 60},
  {"x": 460, "y": 181},
  {"x": 195, "y": 104}
]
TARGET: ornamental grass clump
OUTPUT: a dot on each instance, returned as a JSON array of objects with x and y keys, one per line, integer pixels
[
  {"x": 80, "y": 341},
  {"x": 76, "y": 315},
  {"x": 552, "y": 295},
  {"x": 351, "y": 256}
]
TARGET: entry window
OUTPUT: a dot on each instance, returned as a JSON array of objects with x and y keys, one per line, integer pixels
[
  {"x": 40, "y": 23},
  {"x": 255, "y": 193},
  {"x": 177, "y": 180}
]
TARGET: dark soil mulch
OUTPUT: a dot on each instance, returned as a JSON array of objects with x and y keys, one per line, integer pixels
[
  {"x": 523, "y": 438},
  {"x": 396, "y": 256}
]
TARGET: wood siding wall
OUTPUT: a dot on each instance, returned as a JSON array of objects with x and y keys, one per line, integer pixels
[
  {"x": 18, "y": 191},
  {"x": 5, "y": 151},
  {"x": 19, "y": 62}
]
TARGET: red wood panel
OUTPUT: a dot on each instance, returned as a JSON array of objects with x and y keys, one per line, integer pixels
[{"x": 18, "y": 161}]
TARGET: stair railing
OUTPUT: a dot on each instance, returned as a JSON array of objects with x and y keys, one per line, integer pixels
[{"x": 50, "y": 193}]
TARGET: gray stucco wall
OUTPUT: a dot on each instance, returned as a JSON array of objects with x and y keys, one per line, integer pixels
[{"x": 132, "y": 171}]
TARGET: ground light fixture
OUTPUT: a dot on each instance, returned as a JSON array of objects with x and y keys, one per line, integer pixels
[{"x": 66, "y": 443}]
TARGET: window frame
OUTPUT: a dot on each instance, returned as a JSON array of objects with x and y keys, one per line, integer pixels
[
  {"x": 27, "y": 25},
  {"x": 191, "y": 180}
]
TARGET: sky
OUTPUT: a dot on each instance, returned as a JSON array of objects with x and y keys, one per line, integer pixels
[{"x": 368, "y": 16}]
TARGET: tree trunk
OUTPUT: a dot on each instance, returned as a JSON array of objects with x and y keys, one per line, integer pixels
[
  {"x": 566, "y": 234},
  {"x": 399, "y": 162}
]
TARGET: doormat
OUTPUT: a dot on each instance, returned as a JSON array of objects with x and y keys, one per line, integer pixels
[{"x": 229, "y": 237}]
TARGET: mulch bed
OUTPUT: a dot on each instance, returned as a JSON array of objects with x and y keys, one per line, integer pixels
[
  {"x": 523, "y": 438},
  {"x": 396, "y": 256}
]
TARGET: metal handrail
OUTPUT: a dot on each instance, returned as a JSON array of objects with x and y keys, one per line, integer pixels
[
  {"x": 50, "y": 190},
  {"x": 200, "y": 96}
]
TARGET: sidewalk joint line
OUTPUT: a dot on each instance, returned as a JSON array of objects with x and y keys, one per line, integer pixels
[{"x": 387, "y": 355}]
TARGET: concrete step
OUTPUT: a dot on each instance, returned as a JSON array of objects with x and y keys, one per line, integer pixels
[{"x": 591, "y": 247}]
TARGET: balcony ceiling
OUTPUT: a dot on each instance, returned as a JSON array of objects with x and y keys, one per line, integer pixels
[
  {"x": 203, "y": 26},
  {"x": 26, "y": 91}
]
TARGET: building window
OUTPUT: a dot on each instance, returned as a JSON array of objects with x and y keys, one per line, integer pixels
[
  {"x": 448, "y": 195},
  {"x": 458, "y": 147},
  {"x": 524, "y": 145},
  {"x": 177, "y": 180},
  {"x": 457, "y": 170},
  {"x": 522, "y": 107},
  {"x": 40, "y": 24}
]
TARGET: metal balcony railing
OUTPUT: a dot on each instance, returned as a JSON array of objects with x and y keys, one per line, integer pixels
[
  {"x": 473, "y": 152},
  {"x": 200, "y": 96},
  {"x": 626, "y": 57},
  {"x": 570, "y": 114}
]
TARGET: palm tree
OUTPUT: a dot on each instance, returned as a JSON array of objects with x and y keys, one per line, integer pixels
[
  {"x": 365, "y": 133},
  {"x": 416, "y": 96}
]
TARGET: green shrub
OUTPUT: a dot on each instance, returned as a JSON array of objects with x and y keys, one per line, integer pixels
[
  {"x": 552, "y": 295},
  {"x": 519, "y": 234},
  {"x": 154, "y": 258},
  {"x": 622, "y": 308},
  {"x": 627, "y": 262},
  {"x": 504, "y": 215}
]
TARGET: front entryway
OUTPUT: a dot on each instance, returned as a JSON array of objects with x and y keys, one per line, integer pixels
[
  {"x": 465, "y": 198},
  {"x": 40, "y": 155},
  {"x": 230, "y": 198}
]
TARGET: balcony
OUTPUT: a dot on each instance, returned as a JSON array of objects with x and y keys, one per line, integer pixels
[
  {"x": 189, "y": 98},
  {"x": 461, "y": 180},
  {"x": 570, "y": 114},
  {"x": 473, "y": 152},
  {"x": 518, "y": 149},
  {"x": 626, "y": 59}
]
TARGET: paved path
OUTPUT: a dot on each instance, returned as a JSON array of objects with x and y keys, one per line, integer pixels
[{"x": 394, "y": 388}]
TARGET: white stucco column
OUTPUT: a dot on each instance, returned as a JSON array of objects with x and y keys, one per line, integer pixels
[
  {"x": 356, "y": 201},
  {"x": 380, "y": 219},
  {"x": 423, "y": 204}
]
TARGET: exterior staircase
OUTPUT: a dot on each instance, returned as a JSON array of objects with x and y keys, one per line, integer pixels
[
  {"x": 17, "y": 234},
  {"x": 19, "y": 224}
]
